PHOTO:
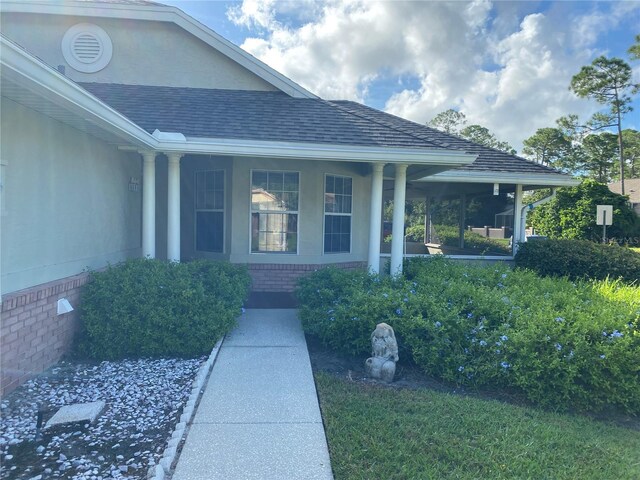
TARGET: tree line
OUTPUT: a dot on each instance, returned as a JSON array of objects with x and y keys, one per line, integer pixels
[{"x": 598, "y": 147}]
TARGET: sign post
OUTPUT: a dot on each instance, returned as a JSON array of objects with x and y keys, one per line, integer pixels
[{"x": 604, "y": 217}]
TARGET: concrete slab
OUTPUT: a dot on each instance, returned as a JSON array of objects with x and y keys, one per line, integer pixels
[
  {"x": 260, "y": 384},
  {"x": 258, "y": 451},
  {"x": 79, "y": 412},
  {"x": 267, "y": 327}
]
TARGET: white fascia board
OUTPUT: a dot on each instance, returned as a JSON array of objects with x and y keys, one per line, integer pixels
[
  {"x": 30, "y": 72},
  {"x": 543, "y": 179},
  {"x": 317, "y": 151},
  {"x": 168, "y": 14}
]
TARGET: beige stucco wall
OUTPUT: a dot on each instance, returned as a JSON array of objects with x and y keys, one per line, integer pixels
[
  {"x": 311, "y": 216},
  {"x": 67, "y": 204},
  {"x": 144, "y": 52}
]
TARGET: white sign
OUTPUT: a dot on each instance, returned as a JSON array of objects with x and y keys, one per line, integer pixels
[{"x": 604, "y": 214}]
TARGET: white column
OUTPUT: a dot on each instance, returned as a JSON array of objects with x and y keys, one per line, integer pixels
[
  {"x": 462, "y": 219},
  {"x": 518, "y": 228},
  {"x": 149, "y": 205},
  {"x": 173, "y": 208},
  {"x": 375, "y": 218},
  {"x": 397, "y": 232},
  {"x": 427, "y": 220}
]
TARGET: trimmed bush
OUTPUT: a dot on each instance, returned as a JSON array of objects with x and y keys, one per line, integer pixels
[
  {"x": 450, "y": 236},
  {"x": 579, "y": 259},
  {"x": 562, "y": 344},
  {"x": 152, "y": 308}
]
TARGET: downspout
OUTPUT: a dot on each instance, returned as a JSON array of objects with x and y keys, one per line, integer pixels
[{"x": 523, "y": 215}]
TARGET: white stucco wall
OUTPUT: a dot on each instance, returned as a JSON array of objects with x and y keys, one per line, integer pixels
[
  {"x": 144, "y": 53},
  {"x": 311, "y": 213},
  {"x": 67, "y": 204}
]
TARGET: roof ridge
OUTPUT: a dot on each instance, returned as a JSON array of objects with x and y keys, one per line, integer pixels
[{"x": 457, "y": 137}]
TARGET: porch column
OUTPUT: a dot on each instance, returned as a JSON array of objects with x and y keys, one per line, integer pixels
[
  {"x": 149, "y": 204},
  {"x": 397, "y": 232},
  {"x": 173, "y": 208},
  {"x": 462, "y": 218},
  {"x": 427, "y": 220},
  {"x": 518, "y": 229},
  {"x": 375, "y": 218}
]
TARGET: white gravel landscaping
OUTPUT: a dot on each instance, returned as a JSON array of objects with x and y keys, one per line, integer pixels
[{"x": 144, "y": 401}]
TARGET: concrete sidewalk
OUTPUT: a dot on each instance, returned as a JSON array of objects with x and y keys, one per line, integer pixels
[{"x": 259, "y": 416}]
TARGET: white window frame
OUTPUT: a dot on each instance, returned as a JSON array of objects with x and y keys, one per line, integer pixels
[
  {"x": 325, "y": 213},
  {"x": 223, "y": 210},
  {"x": 296, "y": 212}
]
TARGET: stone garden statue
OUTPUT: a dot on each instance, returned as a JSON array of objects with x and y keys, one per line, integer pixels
[{"x": 384, "y": 348}]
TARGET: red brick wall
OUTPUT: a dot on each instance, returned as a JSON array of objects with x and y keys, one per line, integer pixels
[
  {"x": 271, "y": 277},
  {"x": 32, "y": 335}
]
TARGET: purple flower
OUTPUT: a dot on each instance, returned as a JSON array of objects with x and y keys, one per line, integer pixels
[
  {"x": 559, "y": 319},
  {"x": 398, "y": 312},
  {"x": 603, "y": 356},
  {"x": 469, "y": 315},
  {"x": 558, "y": 346},
  {"x": 616, "y": 334},
  {"x": 461, "y": 368},
  {"x": 504, "y": 338},
  {"x": 438, "y": 324},
  {"x": 483, "y": 343},
  {"x": 505, "y": 365}
]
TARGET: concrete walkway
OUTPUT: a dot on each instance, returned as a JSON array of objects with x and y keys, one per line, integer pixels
[{"x": 259, "y": 416}]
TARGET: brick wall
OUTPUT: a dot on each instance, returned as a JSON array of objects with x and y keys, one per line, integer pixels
[
  {"x": 32, "y": 335},
  {"x": 273, "y": 277}
]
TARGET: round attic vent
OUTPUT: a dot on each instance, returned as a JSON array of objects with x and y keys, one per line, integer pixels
[{"x": 87, "y": 48}]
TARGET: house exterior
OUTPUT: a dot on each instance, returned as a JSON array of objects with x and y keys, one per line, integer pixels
[
  {"x": 130, "y": 129},
  {"x": 631, "y": 189}
]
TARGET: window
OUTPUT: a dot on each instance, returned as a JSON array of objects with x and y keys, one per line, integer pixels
[
  {"x": 274, "y": 211},
  {"x": 337, "y": 214},
  {"x": 210, "y": 211}
]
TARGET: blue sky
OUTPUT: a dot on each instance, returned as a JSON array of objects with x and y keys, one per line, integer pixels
[{"x": 506, "y": 65}]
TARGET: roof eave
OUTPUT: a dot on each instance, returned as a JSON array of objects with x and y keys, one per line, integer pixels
[
  {"x": 19, "y": 66},
  {"x": 523, "y": 178},
  {"x": 317, "y": 151}
]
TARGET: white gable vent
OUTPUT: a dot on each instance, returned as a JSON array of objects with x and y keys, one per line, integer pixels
[{"x": 87, "y": 48}]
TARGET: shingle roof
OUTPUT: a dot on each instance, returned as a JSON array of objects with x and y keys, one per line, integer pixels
[
  {"x": 489, "y": 159},
  {"x": 631, "y": 188},
  {"x": 276, "y": 116},
  {"x": 250, "y": 115}
]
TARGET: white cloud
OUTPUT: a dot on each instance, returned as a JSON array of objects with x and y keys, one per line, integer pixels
[{"x": 511, "y": 77}]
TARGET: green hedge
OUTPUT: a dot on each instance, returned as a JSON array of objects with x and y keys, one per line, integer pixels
[
  {"x": 579, "y": 259},
  {"x": 564, "y": 345},
  {"x": 151, "y": 308},
  {"x": 450, "y": 236}
]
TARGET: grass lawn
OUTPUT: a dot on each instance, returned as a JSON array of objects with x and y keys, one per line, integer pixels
[
  {"x": 635, "y": 249},
  {"x": 381, "y": 433}
]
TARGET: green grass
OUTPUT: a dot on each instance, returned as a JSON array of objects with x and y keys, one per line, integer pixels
[
  {"x": 380, "y": 433},
  {"x": 635, "y": 249}
]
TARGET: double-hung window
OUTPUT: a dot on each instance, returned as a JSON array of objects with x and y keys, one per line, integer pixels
[
  {"x": 338, "y": 194},
  {"x": 210, "y": 211},
  {"x": 274, "y": 211}
]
